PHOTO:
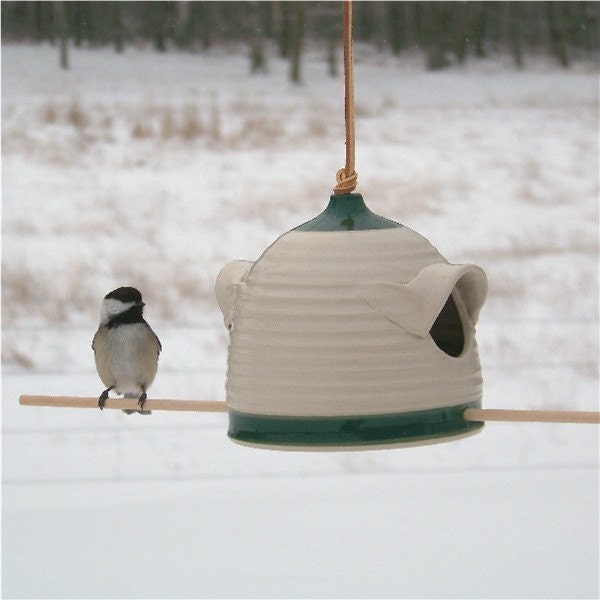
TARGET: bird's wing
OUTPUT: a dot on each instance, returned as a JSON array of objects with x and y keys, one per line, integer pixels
[{"x": 159, "y": 349}]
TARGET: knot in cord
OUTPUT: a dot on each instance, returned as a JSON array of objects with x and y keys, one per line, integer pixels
[{"x": 345, "y": 183}]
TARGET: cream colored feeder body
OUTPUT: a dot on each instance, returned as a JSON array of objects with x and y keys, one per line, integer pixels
[{"x": 351, "y": 331}]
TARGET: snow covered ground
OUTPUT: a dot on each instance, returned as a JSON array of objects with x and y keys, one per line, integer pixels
[{"x": 154, "y": 170}]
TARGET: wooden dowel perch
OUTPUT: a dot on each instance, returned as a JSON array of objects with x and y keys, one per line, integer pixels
[
  {"x": 126, "y": 403},
  {"x": 531, "y": 416},
  {"x": 470, "y": 414}
]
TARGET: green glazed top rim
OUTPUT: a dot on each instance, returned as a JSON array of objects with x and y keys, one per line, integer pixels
[{"x": 347, "y": 212}]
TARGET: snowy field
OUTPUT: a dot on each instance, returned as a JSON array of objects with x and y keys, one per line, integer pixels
[{"x": 154, "y": 170}]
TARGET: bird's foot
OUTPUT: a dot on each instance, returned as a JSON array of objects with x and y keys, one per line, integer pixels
[
  {"x": 103, "y": 398},
  {"x": 142, "y": 400}
]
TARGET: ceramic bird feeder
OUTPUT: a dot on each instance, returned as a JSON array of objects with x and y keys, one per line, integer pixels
[{"x": 349, "y": 331}]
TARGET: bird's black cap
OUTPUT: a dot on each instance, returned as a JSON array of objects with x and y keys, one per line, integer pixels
[{"x": 125, "y": 294}]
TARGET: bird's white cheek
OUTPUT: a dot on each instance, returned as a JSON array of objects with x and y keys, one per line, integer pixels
[{"x": 111, "y": 307}]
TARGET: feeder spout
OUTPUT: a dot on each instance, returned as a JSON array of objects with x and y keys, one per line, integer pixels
[
  {"x": 436, "y": 282},
  {"x": 415, "y": 305}
]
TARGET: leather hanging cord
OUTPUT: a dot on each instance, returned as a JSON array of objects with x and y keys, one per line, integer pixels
[{"x": 346, "y": 177}]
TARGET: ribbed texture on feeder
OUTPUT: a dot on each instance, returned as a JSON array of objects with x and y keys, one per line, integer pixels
[{"x": 310, "y": 333}]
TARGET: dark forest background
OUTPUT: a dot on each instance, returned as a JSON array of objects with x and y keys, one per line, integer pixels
[{"x": 446, "y": 32}]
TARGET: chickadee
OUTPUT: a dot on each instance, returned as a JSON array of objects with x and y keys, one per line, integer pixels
[{"x": 125, "y": 347}]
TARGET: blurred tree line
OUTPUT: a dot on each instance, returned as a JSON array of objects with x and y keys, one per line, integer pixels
[{"x": 447, "y": 32}]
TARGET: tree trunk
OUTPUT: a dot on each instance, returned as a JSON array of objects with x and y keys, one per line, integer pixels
[
  {"x": 557, "y": 20},
  {"x": 296, "y": 45},
  {"x": 516, "y": 32},
  {"x": 378, "y": 9},
  {"x": 202, "y": 22},
  {"x": 396, "y": 25},
  {"x": 479, "y": 26},
  {"x": 332, "y": 53},
  {"x": 258, "y": 60},
  {"x": 117, "y": 19},
  {"x": 63, "y": 33},
  {"x": 436, "y": 21},
  {"x": 161, "y": 23},
  {"x": 285, "y": 28},
  {"x": 461, "y": 29}
]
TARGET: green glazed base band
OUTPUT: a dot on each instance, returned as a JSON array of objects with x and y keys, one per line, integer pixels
[{"x": 398, "y": 428}]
